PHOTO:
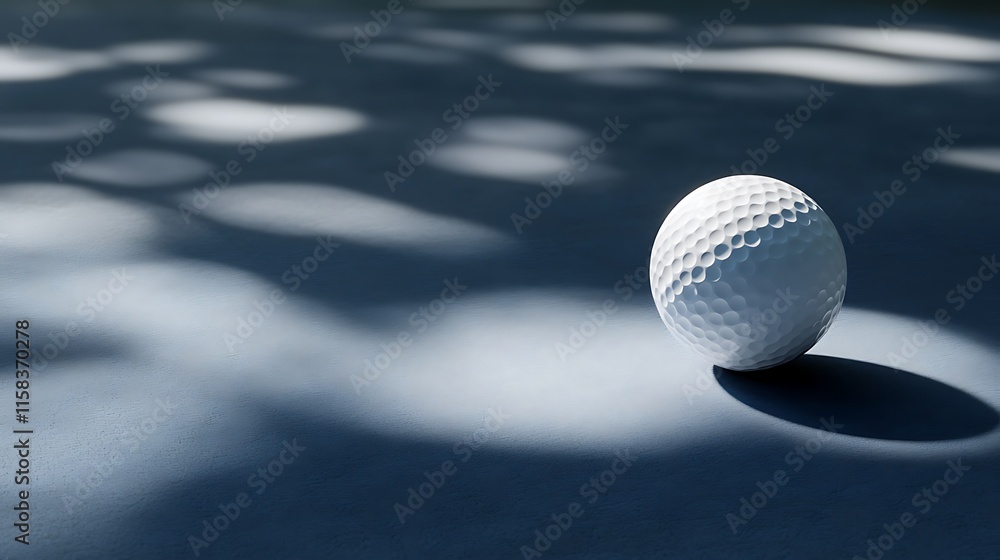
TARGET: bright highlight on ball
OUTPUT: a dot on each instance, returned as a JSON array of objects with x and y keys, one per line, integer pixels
[{"x": 748, "y": 271}]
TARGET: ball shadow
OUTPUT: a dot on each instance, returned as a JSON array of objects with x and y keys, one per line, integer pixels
[{"x": 870, "y": 400}]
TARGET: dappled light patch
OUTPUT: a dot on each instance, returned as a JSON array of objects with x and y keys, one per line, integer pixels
[
  {"x": 499, "y": 161},
  {"x": 308, "y": 210},
  {"x": 524, "y": 131},
  {"x": 234, "y": 120},
  {"x": 42, "y": 63},
  {"x": 549, "y": 57},
  {"x": 245, "y": 78},
  {"x": 911, "y": 43},
  {"x": 44, "y": 127},
  {"x": 977, "y": 158},
  {"x": 629, "y": 78},
  {"x": 809, "y": 63},
  {"x": 142, "y": 168},
  {"x": 165, "y": 51},
  {"x": 568, "y": 394},
  {"x": 71, "y": 220},
  {"x": 835, "y": 66}
]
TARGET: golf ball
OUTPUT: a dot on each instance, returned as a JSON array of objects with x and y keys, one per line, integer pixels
[{"x": 748, "y": 271}]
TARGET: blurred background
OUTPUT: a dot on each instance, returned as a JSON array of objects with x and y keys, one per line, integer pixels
[{"x": 369, "y": 279}]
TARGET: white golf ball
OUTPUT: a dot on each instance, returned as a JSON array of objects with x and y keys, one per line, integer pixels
[{"x": 748, "y": 271}]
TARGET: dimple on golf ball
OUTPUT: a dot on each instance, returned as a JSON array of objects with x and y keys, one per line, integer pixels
[{"x": 748, "y": 271}]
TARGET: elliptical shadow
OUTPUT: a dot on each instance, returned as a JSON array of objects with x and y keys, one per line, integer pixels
[{"x": 869, "y": 400}]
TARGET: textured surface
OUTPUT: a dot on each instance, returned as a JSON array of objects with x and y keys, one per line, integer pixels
[{"x": 748, "y": 271}]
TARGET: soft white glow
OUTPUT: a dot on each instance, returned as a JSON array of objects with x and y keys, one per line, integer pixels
[
  {"x": 550, "y": 58},
  {"x": 499, "y": 162},
  {"x": 40, "y": 63},
  {"x": 901, "y": 42},
  {"x": 524, "y": 132},
  {"x": 834, "y": 66},
  {"x": 70, "y": 220},
  {"x": 143, "y": 168},
  {"x": 311, "y": 210},
  {"x": 623, "y": 384},
  {"x": 525, "y": 150},
  {"x": 235, "y": 120},
  {"x": 812, "y": 63},
  {"x": 980, "y": 159}
]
